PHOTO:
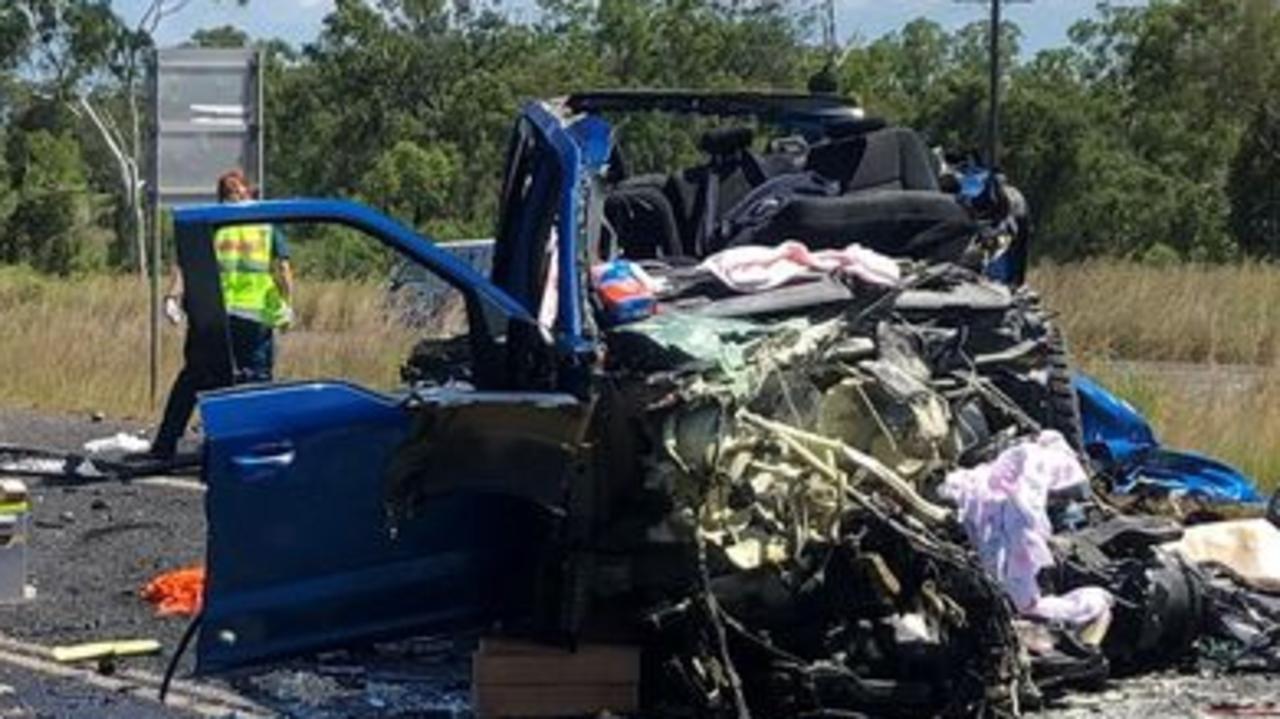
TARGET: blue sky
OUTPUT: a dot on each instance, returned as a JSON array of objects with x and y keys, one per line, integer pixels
[{"x": 1044, "y": 22}]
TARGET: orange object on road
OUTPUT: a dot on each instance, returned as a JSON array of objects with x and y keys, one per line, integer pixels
[{"x": 179, "y": 592}]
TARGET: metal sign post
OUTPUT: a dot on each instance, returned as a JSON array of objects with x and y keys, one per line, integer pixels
[{"x": 206, "y": 119}]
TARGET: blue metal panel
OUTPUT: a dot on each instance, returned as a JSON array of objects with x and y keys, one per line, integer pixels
[
  {"x": 526, "y": 255},
  {"x": 1116, "y": 435},
  {"x": 567, "y": 151},
  {"x": 300, "y": 553},
  {"x": 1187, "y": 474},
  {"x": 1109, "y": 421},
  {"x": 595, "y": 136},
  {"x": 379, "y": 226}
]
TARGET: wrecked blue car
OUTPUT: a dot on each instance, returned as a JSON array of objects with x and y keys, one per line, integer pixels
[{"x": 706, "y": 412}]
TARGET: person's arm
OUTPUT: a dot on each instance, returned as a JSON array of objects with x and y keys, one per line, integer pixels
[
  {"x": 173, "y": 296},
  {"x": 282, "y": 271},
  {"x": 175, "y": 282}
]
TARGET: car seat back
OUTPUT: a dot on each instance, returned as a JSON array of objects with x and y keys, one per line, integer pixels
[
  {"x": 641, "y": 219},
  {"x": 892, "y": 158}
]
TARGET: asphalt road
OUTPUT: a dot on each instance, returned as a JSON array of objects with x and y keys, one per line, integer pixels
[{"x": 94, "y": 545}]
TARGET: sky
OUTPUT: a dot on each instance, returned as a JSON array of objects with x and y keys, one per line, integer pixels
[{"x": 1044, "y": 22}]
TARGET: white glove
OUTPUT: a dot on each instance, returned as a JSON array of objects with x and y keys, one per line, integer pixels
[
  {"x": 173, "y": 310},
  {"x": 286, "y": 317}
]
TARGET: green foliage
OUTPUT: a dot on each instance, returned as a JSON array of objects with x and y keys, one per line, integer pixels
[
  {"x": 1152, "y": 136},
  {"x": 1253, "y": 187},
  {"x": 47, "y": 228},
  {"x": 223, "y": 36},
  {"x": 15, "y": 35},
  {"x": 332, "y": 252},
  {"x": 411, "y": 182},
  {"x": 1161, "y": 255},
  {"x": 69, "y": 40}
]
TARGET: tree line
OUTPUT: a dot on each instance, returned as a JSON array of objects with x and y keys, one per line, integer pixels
[{"x": 1152, "y": 135}]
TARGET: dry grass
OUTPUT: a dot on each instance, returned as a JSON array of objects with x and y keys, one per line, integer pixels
[
  {"x": 1189, "y": 313},
  {"x": 81, "y": 345}
]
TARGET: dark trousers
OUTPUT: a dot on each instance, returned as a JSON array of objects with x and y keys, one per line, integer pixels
[{"x": 253, "y": 352}]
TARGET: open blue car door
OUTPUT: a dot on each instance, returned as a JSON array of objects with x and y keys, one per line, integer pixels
[
  {"x": 340, "y": 515},
  {"x": 307, "y": 547}
]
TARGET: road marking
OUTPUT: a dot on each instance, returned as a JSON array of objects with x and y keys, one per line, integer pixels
[{"x": 183, "y": 695}]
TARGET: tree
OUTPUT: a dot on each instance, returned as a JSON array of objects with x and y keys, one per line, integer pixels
[
  {"x": 1152, "y": 129},
  {"x": 223, "y": 36},
  {"x": 895, "y": 73},
  {"x": 1252, "y": 186},
  {"x": 15, "y": 36},
  {"x": 411, "y": 182},
  {"x": 51, "y": 208},
  {"x": 85, "y": 56}
]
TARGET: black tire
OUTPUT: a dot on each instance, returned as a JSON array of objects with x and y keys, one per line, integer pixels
[
  {"x": 1051, "y": 398},
  {"x": 1062, "y": 405},
  {"x": 1040, "y": 383}
]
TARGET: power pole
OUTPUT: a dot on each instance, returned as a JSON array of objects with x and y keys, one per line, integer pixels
[
  {"x": 993, "y": 91},
  {"x": 993, "y": 100},
  {"x": 829, "y": 29},
  {"x": 825, "y": 80}
]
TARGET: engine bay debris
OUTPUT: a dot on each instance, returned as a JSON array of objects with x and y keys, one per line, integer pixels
[{"x": 875, "y": 510}]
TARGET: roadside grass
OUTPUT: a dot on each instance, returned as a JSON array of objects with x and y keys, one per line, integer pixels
[
  {"x": 80, "y": 345},
  {"x": 1228, "y": 314}
]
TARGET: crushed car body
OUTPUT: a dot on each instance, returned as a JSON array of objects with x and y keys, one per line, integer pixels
[{"x": 781, "y": 419}]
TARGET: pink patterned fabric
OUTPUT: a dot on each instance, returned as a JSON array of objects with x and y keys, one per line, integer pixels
[
  {"x": 755, "y": 268},
  {"x": 1003, "y": 507}
]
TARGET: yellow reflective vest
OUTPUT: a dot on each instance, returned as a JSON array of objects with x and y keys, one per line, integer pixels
[{"x": 244, "y": 264}]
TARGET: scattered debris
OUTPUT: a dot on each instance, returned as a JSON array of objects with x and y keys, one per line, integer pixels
[
  {"x": 176, "y": 593},
  {"x": 15, "y": 511},
  {"x": 121, "y": 442},
  {"x": 876, "y": 509},
  {"x": 38, "y": 462},
  {"x": 1248, "y": 548},
  {"x": 96, "y": 651}
]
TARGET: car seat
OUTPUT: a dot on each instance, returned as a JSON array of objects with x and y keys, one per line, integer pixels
[
  {"x": 890, "y": 202},
  {"x": 891, "y": 158},
  {"x": 700, "y": 195},
  {"x": 641, "y": 220}
]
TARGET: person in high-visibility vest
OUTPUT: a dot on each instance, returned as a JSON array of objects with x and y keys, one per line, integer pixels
[{"x": 257, "y": 291}]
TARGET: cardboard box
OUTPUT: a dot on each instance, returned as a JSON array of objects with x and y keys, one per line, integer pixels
[{"x": 523, "y": 679}]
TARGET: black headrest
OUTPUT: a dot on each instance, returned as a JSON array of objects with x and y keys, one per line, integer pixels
[
  {"x": 837, "y": 159},
  {"x": 855, "y": 126},
  {"x": 726, "y": 140}
]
